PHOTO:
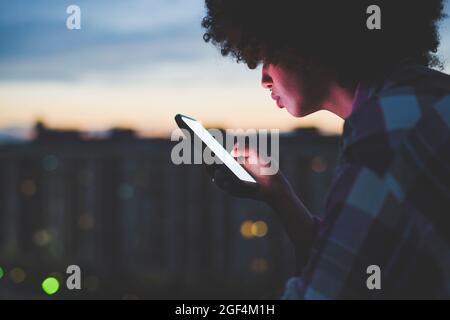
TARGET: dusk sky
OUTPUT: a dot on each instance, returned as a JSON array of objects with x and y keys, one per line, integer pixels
[{"x": 134, "y": 63}]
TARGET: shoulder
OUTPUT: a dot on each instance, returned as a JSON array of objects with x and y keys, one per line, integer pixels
[
  {"x": 415, "y": 100},
  {"x": 399, "y": 141}
]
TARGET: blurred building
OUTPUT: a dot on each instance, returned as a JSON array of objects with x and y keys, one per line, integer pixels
[{"x": 139, "y": 226}]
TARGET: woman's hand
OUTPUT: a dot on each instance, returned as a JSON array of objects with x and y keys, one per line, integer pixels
[
  {"x": 275, "y": 191},
  {"x": 268, "y": 187}
]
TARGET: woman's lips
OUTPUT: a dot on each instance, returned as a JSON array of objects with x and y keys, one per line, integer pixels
[{"x": 277, "y": 99}]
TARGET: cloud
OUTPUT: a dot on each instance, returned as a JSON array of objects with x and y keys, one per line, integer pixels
[
  {"x": 118, "y": 38},
  {"x": 111, "y": 55},
  {"x": 115, "y": 35}
]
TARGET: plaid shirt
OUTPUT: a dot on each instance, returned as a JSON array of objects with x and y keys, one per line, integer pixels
[{"x": 389, "y": 203}]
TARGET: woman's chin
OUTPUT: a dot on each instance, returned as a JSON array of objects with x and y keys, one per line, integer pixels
[
  {"x": 295, "y": 112},
  {"x": 301, "y": 111}
]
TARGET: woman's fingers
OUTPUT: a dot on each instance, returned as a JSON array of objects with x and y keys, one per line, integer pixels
[
  {"x": 249, "y": 159},
  {"x": 226, "y": 180}
]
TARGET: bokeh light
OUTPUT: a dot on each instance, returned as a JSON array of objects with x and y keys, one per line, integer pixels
[
  {"x": 126, "y": 191},
  {"x": 318, "y": 164},
  {"x": 50, "y": 285},
  {"x": 28, "y": 187},
  {"x": 251, "y": 229},
  {"x": 259, "y": 265},
  {"x": 246, "y": 229},
  {"x": 259, "y": 229},
  {"x": 50, "y": 162},
  {"x": 2, "y": 272},
  {"x": 17, "y": 275},
  {"x": 41, "y": 238}
]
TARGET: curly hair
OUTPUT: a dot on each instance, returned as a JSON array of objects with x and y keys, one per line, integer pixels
[{"x": 329, "y": 35}]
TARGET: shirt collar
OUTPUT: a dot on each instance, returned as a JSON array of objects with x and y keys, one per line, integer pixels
[{"x": 364, "y": 91}]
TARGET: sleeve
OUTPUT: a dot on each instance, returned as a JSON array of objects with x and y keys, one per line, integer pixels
[
  {"x": 294, "y": 285},
  {"x": 293, "y": 289}
]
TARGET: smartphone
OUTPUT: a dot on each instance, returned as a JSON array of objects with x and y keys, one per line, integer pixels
[{"x": 197, "y": 129}]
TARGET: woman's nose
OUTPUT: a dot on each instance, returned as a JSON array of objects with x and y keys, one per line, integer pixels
[{"x": 266, "y": 79}]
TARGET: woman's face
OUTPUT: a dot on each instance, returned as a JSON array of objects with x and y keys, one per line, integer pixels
[{"x": 299, "y": 92}]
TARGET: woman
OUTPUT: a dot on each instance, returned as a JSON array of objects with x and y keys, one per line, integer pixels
[{"x": 389, "y": 203}]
